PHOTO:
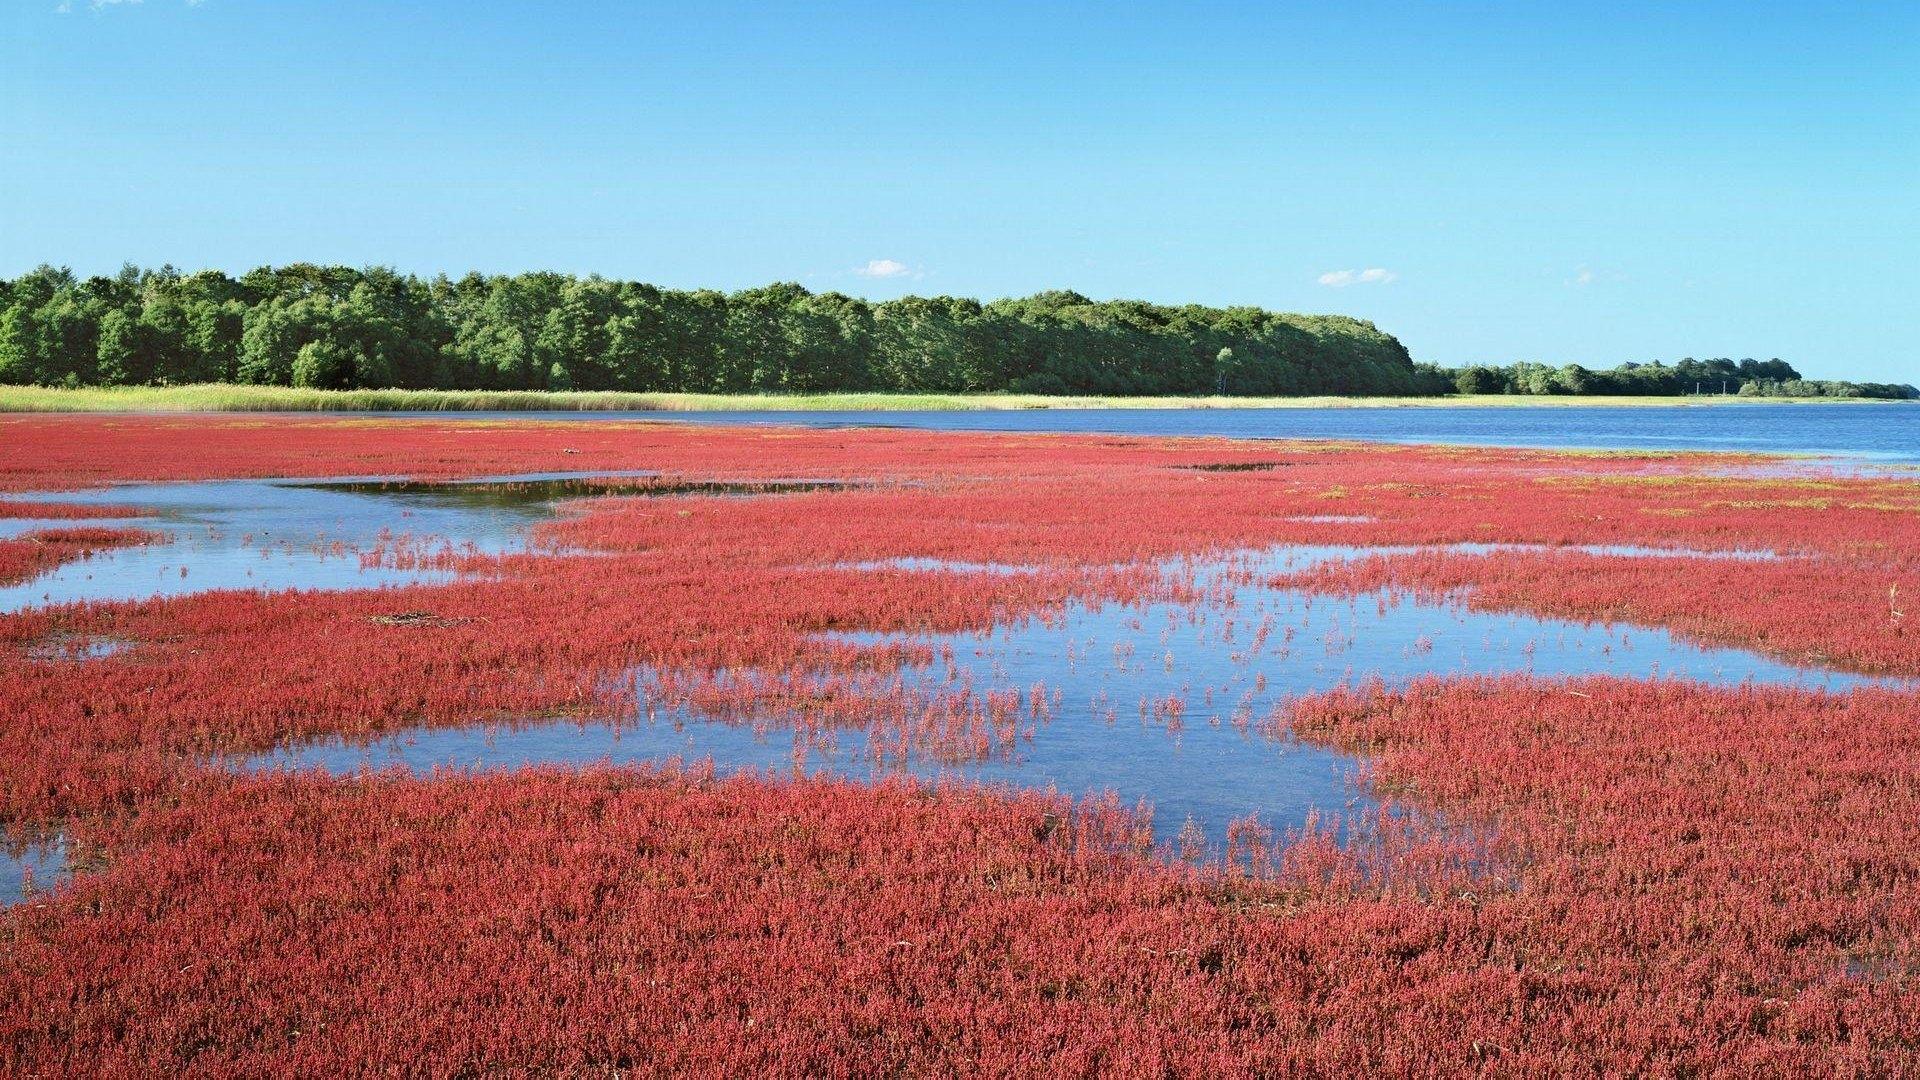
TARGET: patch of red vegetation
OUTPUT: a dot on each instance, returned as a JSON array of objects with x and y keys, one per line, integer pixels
[
  {"x": 692, "y": 586},
  {"x": 31, "y": 554},
  {"x": 1683, "y": 879},
  {"x": 1672, "y": 878},
  {"x": 15, "y": 509},
  {"x": 1705, "y": 879}
]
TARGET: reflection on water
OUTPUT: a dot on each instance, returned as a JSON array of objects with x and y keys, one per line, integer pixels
[
  {"x": 329, "y": 534},
  {"x": 260, "y": 534}
]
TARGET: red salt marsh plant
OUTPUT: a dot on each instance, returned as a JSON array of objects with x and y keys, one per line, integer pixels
[
  {"x": 14, "y": 509},
  {"x": 30, "y": 554},
  {"x": 235, "y": 672},
  {"x": 1662, "y": 878},
  {"x": 702, "y": 585},
  {"x": 1749, "y": 856},
  {"x": 1685, "y": 879},
  {"x": 1054, "y": 497}
]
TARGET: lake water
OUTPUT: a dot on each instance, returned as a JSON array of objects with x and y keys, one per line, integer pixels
[{"x": 1881, "y": 433}]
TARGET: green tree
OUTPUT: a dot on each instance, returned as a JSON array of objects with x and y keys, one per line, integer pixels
[
  {"x": 325, "y": 365},
  {"x": 1479, "y": 380},
  {"x": 1573, "y": 379},
  {"x": 121, "y": 356}
]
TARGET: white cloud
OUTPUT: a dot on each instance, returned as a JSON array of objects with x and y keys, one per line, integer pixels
[
  {"x": 1374, "y": 275},
  {"x": 884, "y": 268},
  {"x": 1585, "y": 276}
]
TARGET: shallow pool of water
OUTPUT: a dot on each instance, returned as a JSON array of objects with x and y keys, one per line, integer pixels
[
  {"x": 259, "y": 534},
  {"x": 319, "y": 534},
  {"x": 1112, "y": 673},
  {"x": 31, "y": 868}
]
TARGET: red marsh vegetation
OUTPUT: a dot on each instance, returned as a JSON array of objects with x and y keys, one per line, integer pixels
[
  {"x": 1598, "y": 875},
  {"x": 29, "y": 554}
]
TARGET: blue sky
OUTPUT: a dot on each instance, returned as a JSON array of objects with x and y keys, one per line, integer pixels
[{"x": 1491, "y": 182}]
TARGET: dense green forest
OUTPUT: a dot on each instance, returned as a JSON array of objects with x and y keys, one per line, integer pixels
[
  {"x": 1747, "y": 378},
  {"x": 336, "y": 327}
]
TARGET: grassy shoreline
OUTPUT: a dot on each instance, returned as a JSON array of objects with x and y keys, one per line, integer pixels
[{"x": 230, "y": 398}]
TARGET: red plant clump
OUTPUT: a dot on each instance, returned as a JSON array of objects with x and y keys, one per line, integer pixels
[
  {"x": 1684, "y": 879},
  {"x": 1600, "y": 876},
  {"x": 31, "y": 554},
  {"x": 1730, "y": 878},
  {"x": 15, "y": 509}
]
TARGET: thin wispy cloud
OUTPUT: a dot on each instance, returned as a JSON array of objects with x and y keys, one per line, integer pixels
[
  {"x": 1340, "y": 279},
  {"x": 885, "y": 268}
]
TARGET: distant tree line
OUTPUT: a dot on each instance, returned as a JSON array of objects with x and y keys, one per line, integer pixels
[
  {"x": 1747, "y": 378},
  {"x": 337, "y": 327}
]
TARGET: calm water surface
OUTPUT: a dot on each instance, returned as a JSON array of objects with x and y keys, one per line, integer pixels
[{"x": 1882, "y": 433}]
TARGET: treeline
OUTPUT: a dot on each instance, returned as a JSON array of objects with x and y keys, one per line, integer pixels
[
  {"x": 335, "y": 327},
  {"x": 1747, "y": 378},
  {"x": 338, "y": 327}
]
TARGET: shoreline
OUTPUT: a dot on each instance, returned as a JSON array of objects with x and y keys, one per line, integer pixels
[{"x": 236, "y": 398}]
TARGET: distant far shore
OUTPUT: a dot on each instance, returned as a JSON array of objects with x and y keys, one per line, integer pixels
[{"x": 235, "y": 398}]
